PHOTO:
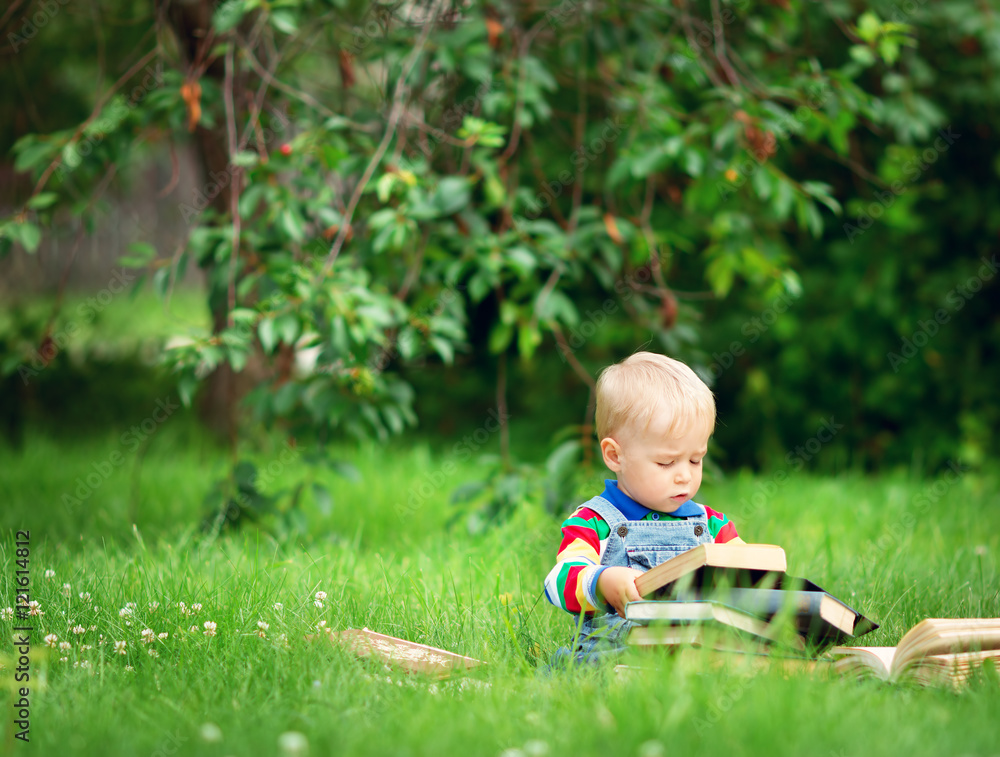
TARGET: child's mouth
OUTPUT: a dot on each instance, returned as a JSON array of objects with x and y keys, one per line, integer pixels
[{"x": 680, "y": 498}]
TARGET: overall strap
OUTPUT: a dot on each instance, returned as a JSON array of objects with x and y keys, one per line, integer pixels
[{"x": 611, "y": 514}]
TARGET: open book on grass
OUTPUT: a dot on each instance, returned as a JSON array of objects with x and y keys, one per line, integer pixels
[
  {"x": 935, "y": 651},
  {"x": 402, "y": 654}
]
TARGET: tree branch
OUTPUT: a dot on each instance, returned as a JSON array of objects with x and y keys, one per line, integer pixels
[{"x": 395, "y": 114}]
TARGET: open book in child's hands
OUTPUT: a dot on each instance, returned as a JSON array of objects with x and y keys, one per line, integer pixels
[{"x": 751, "y": 578}]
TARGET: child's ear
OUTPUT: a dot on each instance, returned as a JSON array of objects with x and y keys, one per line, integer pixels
[{"x": 611, "y": 452}]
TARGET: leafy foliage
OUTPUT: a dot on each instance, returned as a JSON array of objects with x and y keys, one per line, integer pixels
[{"x": 585, "y": 174}]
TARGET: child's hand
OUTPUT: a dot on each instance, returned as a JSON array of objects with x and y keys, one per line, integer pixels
[{"x": 617, "y": 586}]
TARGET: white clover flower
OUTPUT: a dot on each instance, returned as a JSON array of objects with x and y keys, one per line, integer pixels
[
  {"x": 50, "y": 573},
  {"x": 293, "y": 744},
  {"x": 85, "y": 647},
  {"x": 84, "y": 664},
  {"x": 129, "y": 667},
  {"x": 34, "y": 608},
  {"x": 51, "y": 640},
  {"x": 162, "y": 636},
  {"x": 183, "y": 609},
  {"x": 67, "y": 590},
  {"x": 148, "y": 635},
  {"x": 79, "y": 630},
  {"x": 196, "y": 607},
  {"x": 321, "y": 595},
  {"x": 193, "y": 629},
  {"x": 125, "y": 612},
  {"x": 210, "y": 733},
  {"x": 154, "y": 606},
  {"x": 121, "y": 647},
  {"x": 210, "y": 628},
  {"x": 153, "y": 652},
  {"x": 130, "y": 605},
  {"x": 65, "y": 646},
  {"x": 85, "y": 596},
  {"x": 94, "y": 628},
  {"x": 7, "y": 613},
  {"x": 63, "y": 659},
  {"x": 321, "y": 626},
  {"x": 278, "y": 607},
  {"x": 262, "y": 625}
]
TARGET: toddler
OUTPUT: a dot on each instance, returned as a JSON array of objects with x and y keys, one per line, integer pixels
[{"x": 654, "y": 419}]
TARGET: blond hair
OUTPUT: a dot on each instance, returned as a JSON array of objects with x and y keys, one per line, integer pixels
[{"x": 630, "y": 393}]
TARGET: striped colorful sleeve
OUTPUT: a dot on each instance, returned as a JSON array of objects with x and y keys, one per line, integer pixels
[
  {"x": 572, "y": 583},
  {"x": 720, "y": 526}
]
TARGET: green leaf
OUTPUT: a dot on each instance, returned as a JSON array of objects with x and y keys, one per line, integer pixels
[
  {"x": 284, "y": 21},
  {"x": 528, "y": 338},
  {"x": 142, "y": 254},
  {"x": 246, "y": 159},
  {"x": 186, "y": 387},
  {"x": 863, "y": 55},
  {"x": 42, "y": 201},
  {"x": 29, "y": 235},
  {"x": 869, "y": 26},
  {"x": 720, "y": 274},
  {"x": 228, "y": 15},
  {"x": 287, "y": 326},
  {"x": 500, "y": 337},
  {"x": 443, "y": 348},
  {"x": 268, "y": 334},
  {"x": 292, "y": 224},
  {"x": 452, "y": 194}
]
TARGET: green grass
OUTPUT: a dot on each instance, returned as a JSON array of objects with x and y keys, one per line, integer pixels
[{"x": 432, "y": 582}]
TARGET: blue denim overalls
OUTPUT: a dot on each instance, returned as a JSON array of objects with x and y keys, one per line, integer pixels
[{"x": 638, "y": 544}]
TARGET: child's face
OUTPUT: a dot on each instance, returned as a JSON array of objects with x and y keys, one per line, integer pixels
[{"x": 658, "y": 470}]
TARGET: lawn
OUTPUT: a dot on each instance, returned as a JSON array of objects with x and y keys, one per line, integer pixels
[{"x": 234, "y": 674}]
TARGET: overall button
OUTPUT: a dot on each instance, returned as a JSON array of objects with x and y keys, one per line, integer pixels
[
  {"x": 699, "y": 530},
  {"x": 656, "y": 516},
  {"x": 623, "y": 531}
]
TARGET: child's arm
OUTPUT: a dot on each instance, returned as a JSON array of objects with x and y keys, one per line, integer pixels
[
  {"x": 616, "y": 585},
  {"x": 572, "y": 583}
]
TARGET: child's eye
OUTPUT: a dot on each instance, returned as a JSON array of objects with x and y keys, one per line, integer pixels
[
  {"x": 696, "y": 462},
  {"x": 666, "y": 465}
]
